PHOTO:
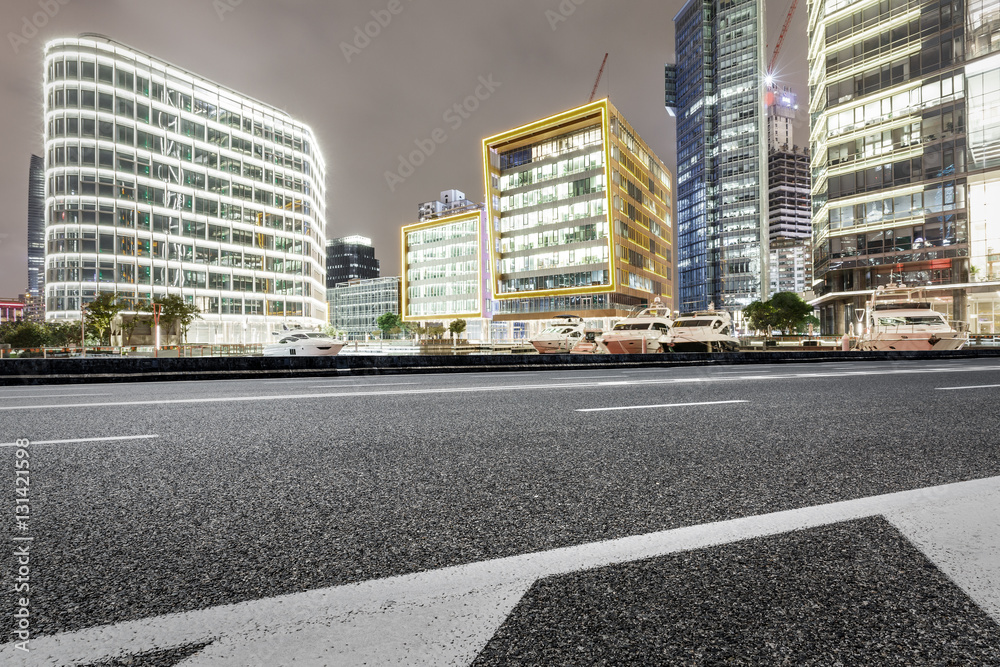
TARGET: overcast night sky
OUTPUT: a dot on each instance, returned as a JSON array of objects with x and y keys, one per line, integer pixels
[{"x": 396, "y": 90}]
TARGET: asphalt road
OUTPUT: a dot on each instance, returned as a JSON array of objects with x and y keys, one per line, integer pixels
[{"x": 229, "y": 492}]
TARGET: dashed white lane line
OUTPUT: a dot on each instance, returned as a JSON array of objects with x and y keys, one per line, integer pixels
[
  {"x": 349, "y": 386},
  {"x": 981, "y": 386},
  {"x": 493, "y": 388},
  {"x": 662, "y": 405},
  {"x": 446, "y": 616},
  {"x": 37, "y": 396},
  {"x": 115, "y": 438}
]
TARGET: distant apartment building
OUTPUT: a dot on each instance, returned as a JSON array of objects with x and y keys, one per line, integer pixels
[
  {"x": 789, "y": 202},
  {"x": 11, "y": 310},
  {"x": 791, "y": 266},
  {"x": 159, "y": 181},
  {"x": 716, "y": 90},
  {"x": 350, "y": 258},
  {"x": 579, "y": 214},
  {"x": 356, "y": 305},
  {"x": 906, "y": 155},
  {"x": 36, "y": 238},
  {"x": 445, "y": 277},
  {"x": 450, "y": 202}
]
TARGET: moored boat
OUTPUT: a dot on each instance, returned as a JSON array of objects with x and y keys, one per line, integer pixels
[
  {"x": 895, "y": 319},
  {"x": 561, "y": 336},
  {"x": 702, "y": 331},
  {"x": 641, "y": 333},
  {"x": 303, "y": 344}
]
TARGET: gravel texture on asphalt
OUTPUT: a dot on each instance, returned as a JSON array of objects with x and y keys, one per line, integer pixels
[
  {"x": 243, "y": 501},
  {"x": 854, "y": 593}
]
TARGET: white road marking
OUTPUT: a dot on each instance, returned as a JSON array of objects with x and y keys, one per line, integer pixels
[
  {"x": 452, "y": 390},
  {"x": 663, "y": 405},
  {"x": 34, "y": 396},
  {"x": 378, "y": 384},
  {"x": 76, "y": 440},
  {"x": 981, "y": 386},
  {"x": 446, "y": 616}
]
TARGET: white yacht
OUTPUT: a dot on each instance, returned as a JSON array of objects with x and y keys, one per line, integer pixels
[
  {"x": 303, "y": 344},
  {"x": 896, "y": 320},
  {"x": 560, "y": 337},
  {"x": 638, "y": 334},
  {"x": 702, "y": 331}
]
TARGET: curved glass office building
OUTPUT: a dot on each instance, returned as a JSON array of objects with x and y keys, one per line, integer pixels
[{"x": 160, "y": 182}]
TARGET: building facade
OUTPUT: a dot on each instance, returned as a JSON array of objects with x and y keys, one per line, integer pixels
[
  {"x": 906, "y": 154},
  {"x": 580, "y": 217},
  {"x": 36, "y": 237},
  {"x": 791, "y": 266},
  {"x": 350, "y": 258},
  {"x": 356, "y": 305},
  {"x": 717, "y": 89},
  {"x": 443, "y": 272},
  {"x": 158, "y": 181}
]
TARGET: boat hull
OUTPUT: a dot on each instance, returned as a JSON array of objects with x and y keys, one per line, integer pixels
[
  {"x": 704, "y": 346},
  {"x": 327, "y": 350},
  {"x": 552, "y": 346},
  {"x": 914, "y": 342},
  {"x": 631, "y": 344}
]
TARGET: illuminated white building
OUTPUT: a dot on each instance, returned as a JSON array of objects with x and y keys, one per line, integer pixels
[
  {"x": 906, "y": 155},
  {"x": 160, "y": 182}
]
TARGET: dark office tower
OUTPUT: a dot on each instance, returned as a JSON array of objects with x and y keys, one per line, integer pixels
[
  {"x": 36, "y": 234},
  {"x": 717, "y": 92},
  {"x": 350, "y": 258},
  {"x": 906, "y": 155}
]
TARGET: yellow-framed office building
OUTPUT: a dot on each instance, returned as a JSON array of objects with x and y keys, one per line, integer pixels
[
  {"x": 443, "y": 277},
  {"x": 580, "y": 217}
]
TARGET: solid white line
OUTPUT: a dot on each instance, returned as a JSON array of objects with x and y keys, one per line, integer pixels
[
  {"x": 663, "y": 405},
  {"x": 982, "y": 386},
  {"x": 76, "y": 440},
  {"x": 320, "y": 626}
]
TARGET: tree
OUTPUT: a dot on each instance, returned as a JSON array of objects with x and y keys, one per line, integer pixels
[
  {"x": 101, "y": 313},
  {"x": 457, "y": 327},
  {"x": 435, "y": 329},
  {"x": 761, "y": 316},
  {"x": 24, "y": 335},
  {"x": 791, "y": 312},
  {"x": 389, "y": 323},
  {"x": 175, "y": 310}
]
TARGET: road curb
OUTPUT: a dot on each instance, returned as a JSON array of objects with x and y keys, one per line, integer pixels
[{"x": 14, "y": 372}]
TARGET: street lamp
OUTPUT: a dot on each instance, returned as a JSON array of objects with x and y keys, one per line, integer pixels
[
  {"x": 83, "y": 327},
  {"x": 157, "y": 309}
]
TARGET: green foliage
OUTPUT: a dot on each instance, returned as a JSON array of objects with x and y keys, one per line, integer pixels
[
  {"x": 389, "y": 323},
  {"x": 435, "y": 330},
  {"x": 457, "y": 327},
  {"x": 785, "y": 311},
  {"x": 40, "y": 334},
  {"x": 761, "y": 316},
  {"x": 101, "y": 312},
  {"x": 175, "y": 310}
]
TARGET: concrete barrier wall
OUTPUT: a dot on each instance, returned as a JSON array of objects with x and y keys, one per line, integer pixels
[{"x": 77, "y": 370}]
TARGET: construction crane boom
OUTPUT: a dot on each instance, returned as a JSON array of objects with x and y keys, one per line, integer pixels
[
  {"x": 781, "y": 38},
  {"x": 599, "y": 74}
]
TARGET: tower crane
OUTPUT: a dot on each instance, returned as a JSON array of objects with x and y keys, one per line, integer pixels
[
  {"x": 599, "y": 74},
  {"x": 781, "y": 38}
]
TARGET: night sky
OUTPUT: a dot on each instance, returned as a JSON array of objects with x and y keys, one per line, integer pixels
[{"x": 369, "y": 105}]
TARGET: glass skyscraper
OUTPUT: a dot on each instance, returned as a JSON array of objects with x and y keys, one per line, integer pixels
[
  {"x": 906, "y": 154},
  {"x": 717, "y": 91},
  {"x": 160, "y": 182},
  {"x": 36, "y": 232}
]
